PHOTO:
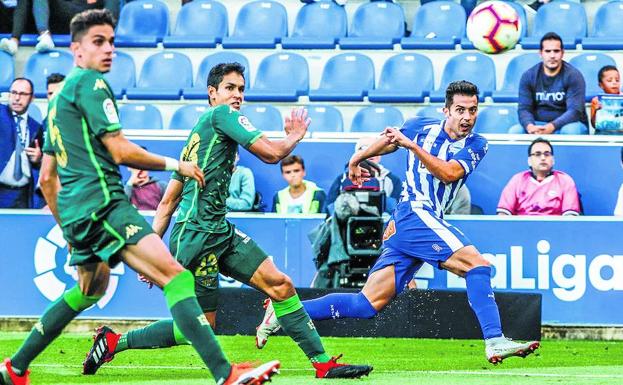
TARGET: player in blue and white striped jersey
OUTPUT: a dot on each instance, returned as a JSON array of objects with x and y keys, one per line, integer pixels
[{"x": 441, "y": 155}]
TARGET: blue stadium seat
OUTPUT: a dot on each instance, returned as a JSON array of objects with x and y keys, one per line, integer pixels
[
  {"x": 376, "y": 118},
  {"x": 345, "y": 77},
  {"x": 375, "y": 25},
  {"x": 30, "y": 40},
  {"x": 474, "y": 67},
  {"x": 589, "y": 65},
  {"x": 263, "y": 116},
  {"x": 607, "y": 28},
  {"x": 40, "y": 65},
  {"x": 186, "y": 117},
  {"x": 496, "y": 119},
  {"x": 566, "y": 18},
  {"x": 317, "y": 25},
  {"x": 200, "y": 88},
  {"x": 35, "y": 113},
  {"x": 467, "y": 44},
  {"x": 436, "y": 25},
  {"x": 406, "y": 77},
  {"x": 199, "y": 24},
  {"x": 142, "y": 23},
  {"x": 281, "y": 77},
  {"x": 122, "y": 74},
  {"x": 434, "y": 111},
  {"x": 7, "y": 71},
  {"x": 140, "y": 116},
  {"x": 259, "y": 24},
  {"x": 163, "y": 76},
  {"x": 325, "y": 118},
  {"x": 516, "y": 67}
]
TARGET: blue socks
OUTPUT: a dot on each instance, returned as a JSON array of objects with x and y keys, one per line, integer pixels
[
  {"x": 482, "y": 301},
  {"x": 340, "y": 305}
]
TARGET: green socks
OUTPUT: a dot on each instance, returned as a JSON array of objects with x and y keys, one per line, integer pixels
[
  {"x": 297, "y": 324},
  {"x": 160, "y": 334},
  {"x": 181, "y": 299}
]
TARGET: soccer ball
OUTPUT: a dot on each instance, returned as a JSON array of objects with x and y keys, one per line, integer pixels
[{"x": 493, "y": 27}]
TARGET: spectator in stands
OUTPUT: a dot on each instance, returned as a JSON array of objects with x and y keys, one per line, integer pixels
[
  {"x": 462, "y": 203},
  {"x": 551, "y": 94},
  {"x": 301, "y": 196},
  {"x": 15, "y": 18},
  {"x": 7, "y": 9},
  {"x": 540, "y": 190},
  {"x": 20, "y": 146},
  {"x": 144, "y": 191},
  {"x": 618, "y": 209},
  {"x": 241, "y": 189},
  {"x": 610, "y": 82},
  {"x": 385, "y": 180}
]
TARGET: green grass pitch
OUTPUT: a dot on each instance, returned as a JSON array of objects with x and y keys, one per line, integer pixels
[{"x": 395, "y": 361}]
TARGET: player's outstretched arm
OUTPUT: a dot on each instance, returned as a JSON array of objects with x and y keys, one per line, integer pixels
[
  {"x": 359, "y": 175},
  {"x": 167, "y": 206},
  {"x": 272, "y": 151},
  {"x": 50, "y": 184},
  {"x": 125, "y": 152}
]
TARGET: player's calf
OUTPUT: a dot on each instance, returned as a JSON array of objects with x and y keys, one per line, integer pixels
[{"x": 499, "y": 348}]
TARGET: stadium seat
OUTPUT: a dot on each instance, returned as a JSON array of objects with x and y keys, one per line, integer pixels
[
  {"x": 345, "y": 77},
  {"x": 122, "y": 74},
  {"x": 317, "y": 25},
  {"x": 375, "y": 25},
  {"x": 589, "y": 65},
  {"x": 496, "y": 119},
  {"x": 271, "y": 84},
  {"x": 325, "y": 118},
  {"x": 259, "y": 24},
  {"x": 467, "y": 44},
  {"x": 30, "y": 40},
  {"x": 186, "y": 117},
  {"x": 474, "y": 67},
  {"x": 434, "y": 111},
  {"x": 406, "y": 77},
  {"x": 376, "y": 118},
  {"x": 607, "y": 28},
  {"x": 35, "y": 113},
  {"x": 140, "y": 116},
  {"x": 199, "y": 24},
  {"x": 40, "y": 65},
  {"x": 263, "y": 116},
  {"x": 163, "y": 76},
  {"x": 200, "y": 88},
  {"x": 515, "y": 69},
  {"x": 142, "y": 23},
  {"x": 566, "y": 18},
  {"x": 7, "y": 71},
  {"x": 436, "y": 25}
]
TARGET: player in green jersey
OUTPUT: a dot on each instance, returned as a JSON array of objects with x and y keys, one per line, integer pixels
[
  {"x": 83, "y": 148},
  {"x": 206, "y": 243}
]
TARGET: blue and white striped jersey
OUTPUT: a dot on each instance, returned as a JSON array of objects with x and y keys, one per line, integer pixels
[{"x": 421, "y": 187}]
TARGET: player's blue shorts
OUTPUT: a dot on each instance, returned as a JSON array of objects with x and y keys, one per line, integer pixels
[{"x": 414, "y": 236}]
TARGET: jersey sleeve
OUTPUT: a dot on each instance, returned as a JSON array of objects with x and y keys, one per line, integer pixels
[
  {"x": 47, "y": 145},
  {"x": 471, "y": 155},
  {"x": 416, "y": 125},
  {"x": 97, "y": 103},
  {"x": 233, "y": 124}
]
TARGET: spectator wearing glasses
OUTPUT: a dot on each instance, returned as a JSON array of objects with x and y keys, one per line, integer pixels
[
  {"x": 20, "y": 147},
  {"x": 540, "y": 190}
]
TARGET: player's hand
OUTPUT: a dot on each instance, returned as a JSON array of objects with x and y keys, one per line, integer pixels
[
  {"x": 595, "y": 103},
  {"x": 191, "y": 170},
  {"x": 144, "y": 279},
  {"x": 34, "y": 153},
  {"x": 357, "y": 174},
  {"x": 394, "y": 136},
  {"x": 297, "y": 123}
]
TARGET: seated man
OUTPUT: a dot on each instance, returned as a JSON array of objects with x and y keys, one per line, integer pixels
[
  {"x": 540, "y": 190},
  {"x": 301, "y": 196}
]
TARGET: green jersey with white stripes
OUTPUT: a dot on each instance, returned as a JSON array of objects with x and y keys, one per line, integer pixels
[
  {"x": 212, "y": 144},
  {"x": 81, "y": 112}
]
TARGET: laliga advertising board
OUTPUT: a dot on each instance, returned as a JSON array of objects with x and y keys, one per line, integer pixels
[{"x": 575, "y": 263}]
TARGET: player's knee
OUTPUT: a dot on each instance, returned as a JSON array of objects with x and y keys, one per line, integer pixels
[{"x": 78, "y": 300}]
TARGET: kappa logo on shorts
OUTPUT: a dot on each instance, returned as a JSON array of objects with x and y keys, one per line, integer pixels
[
  {"x": 131, "y": 230},
  {"x": 389, "y": 230}
]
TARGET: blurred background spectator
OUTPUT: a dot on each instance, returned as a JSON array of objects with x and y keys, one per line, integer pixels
[
  {"x": 610, "y": 82},
  {"x": 241, "y": 189},
  {"x": 301, "y": 196}
]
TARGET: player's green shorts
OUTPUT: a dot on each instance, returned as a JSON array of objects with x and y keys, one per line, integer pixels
[
  {"x": 232, "y": 253},
  {"x": 100, "y": 237}
]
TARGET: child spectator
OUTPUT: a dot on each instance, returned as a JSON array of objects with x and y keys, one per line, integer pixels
[{"x": 610, "y": 82}]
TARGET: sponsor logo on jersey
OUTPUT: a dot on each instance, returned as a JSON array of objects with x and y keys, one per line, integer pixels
[
  {"x": 100, "y": 84},
  {"x": 244, "y": 122},
  {"x": 110, "y": 111}
]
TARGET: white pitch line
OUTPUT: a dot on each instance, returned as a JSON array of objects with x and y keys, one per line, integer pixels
[{"x": 412, "y": 372}]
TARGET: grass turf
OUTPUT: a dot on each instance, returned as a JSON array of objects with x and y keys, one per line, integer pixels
[{"x": 395, "y": 361}]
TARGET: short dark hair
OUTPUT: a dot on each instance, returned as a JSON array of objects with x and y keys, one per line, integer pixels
[
  {"x": 461, "y": 87},
  {"x": 54, "y": 78},
  {"x": 84, "y": 20},
  {"x": 32, "y": 87},
  {"x": 540, "y": 140},
  {"x": 292, "y": 159},
  {"x": 550, "y": 36},
  {"x": 604, "y": 69},
  {"x": 215, "y": 77}
]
